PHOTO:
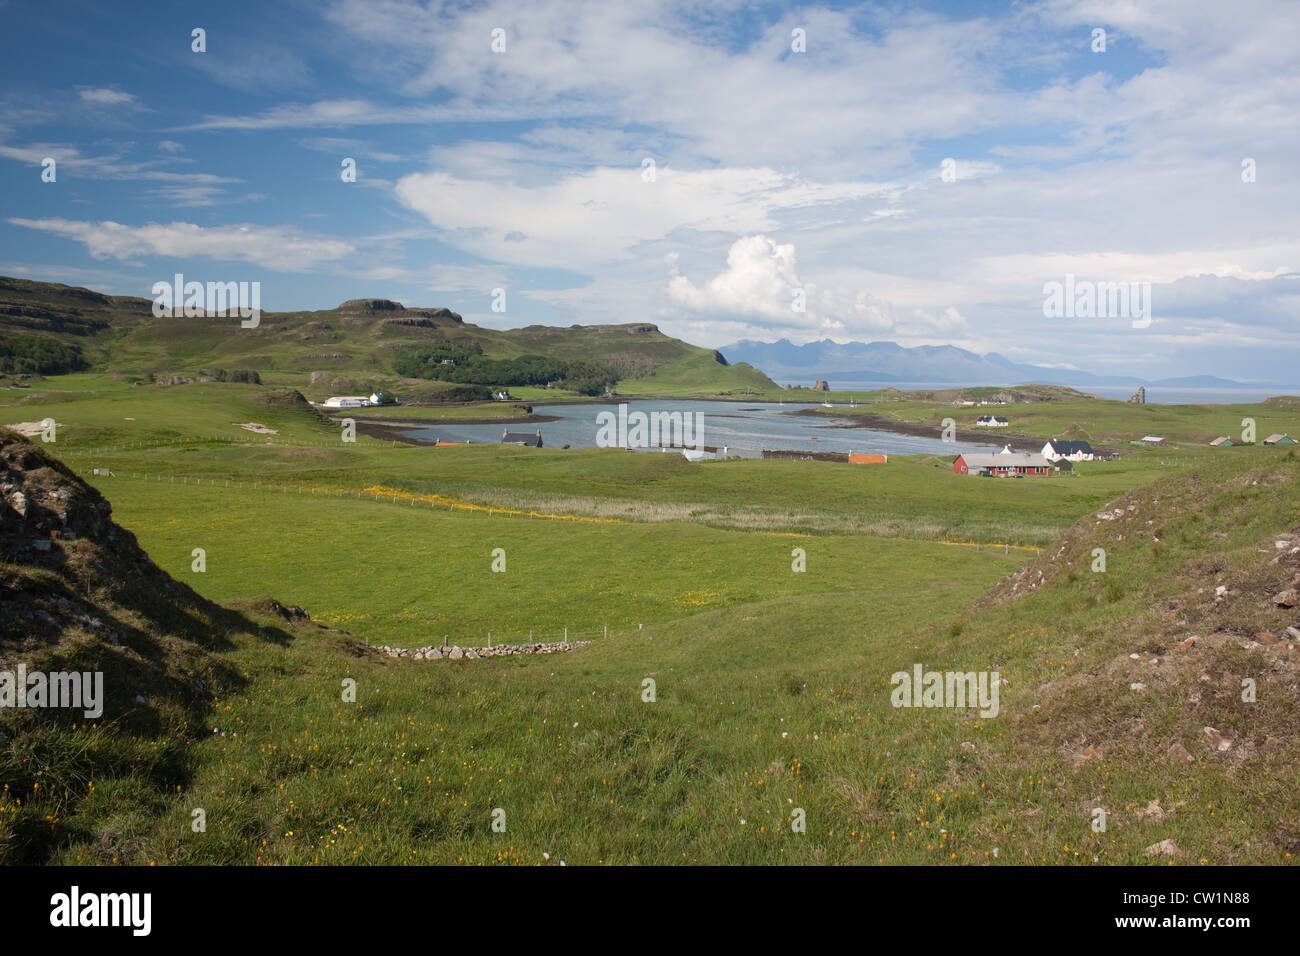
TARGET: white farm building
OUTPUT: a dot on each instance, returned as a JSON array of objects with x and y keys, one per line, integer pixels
[{"x": 347, "y": 401}]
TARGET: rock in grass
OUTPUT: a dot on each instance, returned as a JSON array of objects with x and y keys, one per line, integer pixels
[
  {"x": 1178, "y": 754},
  {"x": 1163, "y": 848},
  {"x": 1153, "y": 812},
  {"x": 1218, "y": 741}
]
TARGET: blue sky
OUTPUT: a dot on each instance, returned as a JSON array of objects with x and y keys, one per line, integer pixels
[{"x": 818, "y": 172}]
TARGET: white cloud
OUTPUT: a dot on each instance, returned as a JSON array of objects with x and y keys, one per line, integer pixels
[
  {"x": 1124, "y": 165},
  {"x": 760, "y": 280},
  {"x": 105, "y": 166},
  {"x": 360, "y": 112},
  {"x": 757, "y": 292},
  {"x": 97, "y": 96},
  {"x": 586, "y": 219},
  {"x": 282, "y": 248}
]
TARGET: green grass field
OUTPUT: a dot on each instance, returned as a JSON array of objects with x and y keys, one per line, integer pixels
[
  {"x": 772, "y": 688},
  {"x": 151, "y": 429}
]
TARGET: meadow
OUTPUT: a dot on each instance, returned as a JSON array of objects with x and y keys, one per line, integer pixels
[{"x": 771, "y": 688}]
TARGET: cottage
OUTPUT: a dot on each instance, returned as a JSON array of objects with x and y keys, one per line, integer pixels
[
  {"x": 1056, "y": 449},
  {"x": 857, "y": 458},
  {"x": 1002, "y": 466},
  {"x": 521, "y": 438},
  {"x": 1223, "y": 441},
  {"x": 1279, "y": 440},
  {"x": 991, "y": 421}
]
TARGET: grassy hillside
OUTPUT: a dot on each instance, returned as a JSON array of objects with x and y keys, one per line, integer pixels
[
  {"x": 772, "y": 688},
  {"x": 355, "y": 342},
  {"x": 80, "y": 595}
]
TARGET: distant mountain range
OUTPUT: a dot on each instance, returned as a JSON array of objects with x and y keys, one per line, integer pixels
[{"x": 929, "y": 364}]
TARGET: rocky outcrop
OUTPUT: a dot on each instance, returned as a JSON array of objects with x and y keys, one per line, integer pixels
[
  {"x": 369, "y": 306},
  {"x": 182, "y": 379},
  {"x": 417, "y": 322},
  {"x": 444, "y": 314},
  {"x": 78, "y": 588},
  {"x": 420, "y": 318}
]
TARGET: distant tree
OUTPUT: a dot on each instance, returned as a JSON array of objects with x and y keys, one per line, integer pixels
[{"x": 40, "y": 354}]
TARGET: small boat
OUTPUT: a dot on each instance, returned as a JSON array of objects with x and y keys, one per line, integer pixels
[{"x": 827, "y": 405}]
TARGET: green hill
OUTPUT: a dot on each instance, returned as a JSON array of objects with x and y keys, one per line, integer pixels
[{"x": 47, "y": 328}]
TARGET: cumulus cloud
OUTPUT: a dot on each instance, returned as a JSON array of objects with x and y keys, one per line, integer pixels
[
  {"x": 759, "y": 280},
  {"x": 759, "y": 292}
]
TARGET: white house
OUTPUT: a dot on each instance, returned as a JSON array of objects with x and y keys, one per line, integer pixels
[
  {"x": 348, "y": 401},
  {"x": 1056, "y": 449},
  {"x": 991, "y": 421}
]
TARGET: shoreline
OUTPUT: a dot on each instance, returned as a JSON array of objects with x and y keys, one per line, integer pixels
[
  {"x": 394, "y": 429},
  {"x": 884, "y": 423}
]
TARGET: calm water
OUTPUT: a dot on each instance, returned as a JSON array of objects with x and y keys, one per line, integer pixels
[{"x": 740, "y": 427}]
